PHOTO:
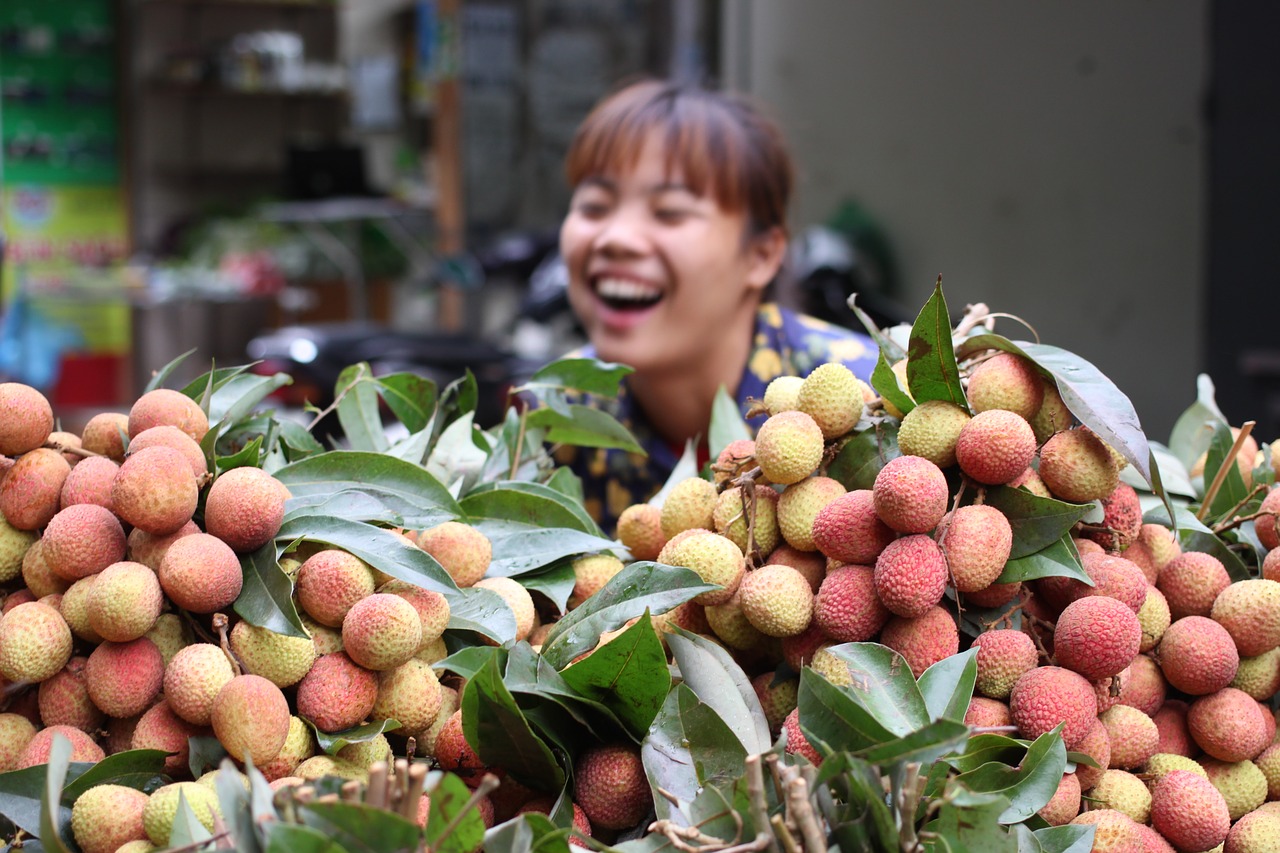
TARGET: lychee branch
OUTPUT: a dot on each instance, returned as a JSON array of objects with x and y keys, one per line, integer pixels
[
  {"x": 755, "y": 795},
  {"x": 1234, "y": 521},
  {"x": 63, "y": 447},
  {"x": 1227, "y": 464}
]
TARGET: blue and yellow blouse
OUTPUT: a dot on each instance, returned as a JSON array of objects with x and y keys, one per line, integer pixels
[{"x": 785, "y": 344}]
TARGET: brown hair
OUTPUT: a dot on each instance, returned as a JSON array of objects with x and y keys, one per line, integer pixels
[{"x": 724, "y": 145}]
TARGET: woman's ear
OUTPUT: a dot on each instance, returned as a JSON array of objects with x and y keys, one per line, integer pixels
[{"x": 765, "y": 254}]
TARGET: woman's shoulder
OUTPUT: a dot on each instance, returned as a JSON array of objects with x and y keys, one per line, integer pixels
[{"x": 811, "y": 341}]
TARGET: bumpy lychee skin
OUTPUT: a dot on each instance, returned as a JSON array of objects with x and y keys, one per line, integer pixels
[
  {"x": 330, "y": 582},
  {"x": 38, "y": 749},
  {"x": 591, "y": 573},
  {"x": 1191, "y": 583},
  {"x": 1197, "y": 656},
  {"x": 799, "y": 507},
  {"x": 1122, "y": 519},
  {"x": 1133, "y": 736},
  {"x": 106, "y": 817},
  {"x": 1113, "y": 830},
  {"x": 910, "y": 494},
  {"x": 1124, "y": 792},
  {"x": 833, "y": 397},
  {"x": 1154, "y": 617},
  {"x": 776, "y": 600},
  {"x": 155, "y": 490},
  {"x": 160, "y": 728},
  {"x": 124, "y": 602},
  {"x": 106, "y": 434},
  {"x": 143, "y": 547},
  {"x": 1189, "y": 812},
  {"x": 1048, "y": 695},
  {"x": 35, "y": 642},
  {"x": 124, "y": 678},
  {"x": 193, "y": 679},
  {"x": 1241, "y": 783},
  {"x": 1257, "y": 830},
  {"x": 1247, "y": 609},
  {"x": 337, "y": 693},
  {"x": 797, "y": 743},
  {"x": 162, "y": 808},
  {"x": 730, "y": 624},
  {"x": 1053, "y": 415},
  {"x": 432, "y": 607},
  {"x": 609, "y": 784},
  {"x": 781, "y": 393},
  {"x": 165, "y": 407},
  {"x": 1267, "y": 524},
  {"x": 251, "y": 718},
  {"x": 713, "y": 557},
  {"x": 171, "y": 436},
  {"x": 281, "y": 659},
  {"x": 640, "y": 530},
  {"x": 1228, "y": 725},
  {"x": 460, "y": 549},
  {"x": 1006, "y": 381},
  {"x": 89, "y": 483},
  {"x": 381, "y": 631},
  {"x": 689, "y": 505},
  {"x": 740, "y": 517},
  {"x": 931, "y": 431},
  {"x": 244, "y": 508},
  {"x": 848, "y": 530},
  {"x": 30, "y": 494},
  {"x": 995, "y": 447},
  {"x": 170, "y": 634},
  {"x": 924, "y": 640},
  {"x": 1097, "y": 745},
  {"x": 82, "y": 540},
  {"x": 1077, "y": 466},
  {"x": 789, "y": 447},
  {"x": 201, "y": 573},
  {"x": 911, "y": 575},
  {"x": 1096, "y": 636},
  {"x": 1004, "y": 655},
  {"x": 1065, "y": 802},
  {"x": 737, "y": 458},
  {"x": 846, "y": 607},
  {"x": 409, "y": 694},
  {"x": 299, "y": 745},
  {"x": 986, "y": 713},
  {"x": 976, "y": 540},
  {"x": 64, "y": 699},
  {"x": 28, "y": 418},
  {"x": 1112, "y": 576}
]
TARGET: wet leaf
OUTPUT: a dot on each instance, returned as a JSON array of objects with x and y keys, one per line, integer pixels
[
  {"x": 499, "y": 733},
  {"x": 688, "y": 747},
  {"x": 863, "y": 455},
  {"x": 628, "y": 675},
  {"x": 266, "y": 598},
  {"x": 1036, "y": 522},
  {"x": 1058, "y": 559}
]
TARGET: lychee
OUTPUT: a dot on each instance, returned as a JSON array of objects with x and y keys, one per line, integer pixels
[
  {"x": 781, "y": 393},
  {"x": 171, "y": 436},
  {"x": 38, "y": 749},
  {"x": 1196, "y": 654},
  {"x": 1047, "y": 696},
  {"x": 911, "y": 575},
  {"x": 330, "y": 582},
  {"x": 611, "y": 786},
  {"x": 409, "y": 694},
  {"x": 848, "y": 530},
  {"x": 155, "y": 490},
  {"x": 924, "y": 640},
  {"x": 715, "y": 559},
  {"x": 1133, "y": 736},
  {"x": 160, "y": 728},
  {"x": 1077, "y": 466},
  {"x": 1247, "y": 609},
  {"x": 28, "y": 418},
  {"x": 910, "y": 494},
  {"x": 800, "y": 505},
  {"x": 164, "y": 406},
  {"x": 162, "y": 809},
  {"x": 995, "y": 447},
  {"x": 590, "y": 573},
  {"x": 337, "y": 693},
  {"x": 193, "y": 679},
  {"x": 1241, "y": 784},
  {"x": 201, "y": 573},
  {"x": 776, "y": 600},
  {"x": 64, "y": 699},
  {"x": 124, "y": 602},
  {"x": 106, "y": 817},
  {"x": 689, "y": 505},
  {"x": 381, "y": 631},
  {"x": 244, "y": 508},
  {"x": 846, "y": 608},
  {"x": 639, "y": 529},
  {"x": 124, "y": 678},
  {"x": 1096, "y": 636},
  {"x": 35, "y": 642},
  {"x": 1228, "y": 725},
  {"x": 106, "y": 434},
  {"x": 1006, "y": 381},
  {"x": 737, "y": 516},
  {"x": 931, "y": 431},
  {"x": 977, "y": 541},
  {"x": 31, "y": 493},
  {"x": 833, "y": 397},
  {"x": 281, "y": 659},
  {"x": 789, "y": 447},
  {"x": 460, "y": 549},
  {"x": 89, "y": 483},
  {"x": 250, "y": 718},
  {"x": 1191, "y": 583},
  {"x": 1004, "y": 655}
]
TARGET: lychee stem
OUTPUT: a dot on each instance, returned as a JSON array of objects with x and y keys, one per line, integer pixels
[
  {"x": 220, "y": 623},
  {"x": 799, "y": 805},
  {"x": 755, "y": 794},
  {"x": 1227, "y": 464},
  {"x": 780, "y": 830}
]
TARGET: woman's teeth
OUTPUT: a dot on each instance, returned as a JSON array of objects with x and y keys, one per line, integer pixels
[{"x": 620, "y": 292}]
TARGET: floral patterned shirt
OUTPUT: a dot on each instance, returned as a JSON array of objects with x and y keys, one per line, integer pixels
[{"x": 784, "y": 344}]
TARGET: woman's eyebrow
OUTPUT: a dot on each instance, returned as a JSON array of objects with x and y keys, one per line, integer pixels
[{"x": 670, "y": 186}]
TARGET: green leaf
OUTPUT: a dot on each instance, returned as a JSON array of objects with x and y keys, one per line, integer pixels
[
  {"x": 885, "y": 381},
  {"x": 531, "y": 832},
  {"x": 248, "y": 456},
  {"x": 628, "y": 675},
  {"x": 863, "y": 455},
  {"x": 924, "y": 746},
  {"x": 1056, "y": 560},
  {"x": 449, "y": 798},
  {"x": 380, "y": 548},
  {"x": 830, "y": 717},
  {"x": 370, "y": 828},
  {"x": 884, "y": 686},
  {"x": 240, "y": 395},
  {"x": 1233, "y": 491},
  {"x": 520, "y": 548},
  {"x": 357, "y": 394},
  {"x": 21, "y": 795},
  {"x": 499, "y": 733},
  {"x": 1036, "y": 521},
  {"x": 291, "y": 838},
  {"x": 566, "y": 483},
  {"x": 585, "y": 375},
  {"x": 1029, "y": 786},
  {"x": 211, "y": 380},
  {"x": 1194, "y": 428},
  {"x": 890, "y": 348},
  {"x": 585, "y": 427},
  {"x": 142, "y": 769},
  {"x": 969, "y": 822},
  {"x": 1066, "y": 839},
  {"x": 234, "y": 802},
  {"x": 932, "y": 372},
  {"x": 727, "y": 424},
  {"x": 482, "y": 611},
  {"x": 412, "y": 398},
  {"x": 162, "y": 375},
  {"x": 556, "y": 583},
  {"x": 628, "y": 594},
  {"x": 266, "y": 598},
  {"x": 709, "y": 671},
  {"x": 947, "y": 686},
  {"x": 55, "y": 819},
  {"x": 862, "y": 820},
  {"x": 206, "y": 753},
  {"x": 331, "y": 743},
  {"x": 408, "y": 490},
  {"x": 187, "y": 830},
  {"x": 467, "y": 661},
  {"x": 297, "y": 442},
  {"x": 528, "y": 503},
  {"x": 1193, "y": 535},
  {"x": 528, "y": 673},
  {"x": 986, "y": 749},
  {"x": 689, "y": 746}
]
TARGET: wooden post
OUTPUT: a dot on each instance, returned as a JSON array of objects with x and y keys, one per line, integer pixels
[{"x": 447, "y": 145}]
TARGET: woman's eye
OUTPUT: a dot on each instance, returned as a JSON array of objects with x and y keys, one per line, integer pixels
[
  {"x": 591, "y": 209},
  {"x": 670, "y": 214}
]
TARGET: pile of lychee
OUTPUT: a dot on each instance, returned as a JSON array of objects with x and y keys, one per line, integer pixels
[{"x": 1161, "y": 672}]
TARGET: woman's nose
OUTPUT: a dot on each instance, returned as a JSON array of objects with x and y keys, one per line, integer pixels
[{"x": 622, "y": 232}]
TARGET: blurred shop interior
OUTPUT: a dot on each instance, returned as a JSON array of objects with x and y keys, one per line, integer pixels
[{"x": 311, "y": 183}]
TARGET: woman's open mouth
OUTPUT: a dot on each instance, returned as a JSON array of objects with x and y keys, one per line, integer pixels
[{"x": 621, "y": 294}]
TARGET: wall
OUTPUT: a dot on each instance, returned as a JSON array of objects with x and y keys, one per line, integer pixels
[{"x": 1045, "y": 158}]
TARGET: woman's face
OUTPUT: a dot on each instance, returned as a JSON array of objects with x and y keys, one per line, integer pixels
[{"x": 656, "y": 270}]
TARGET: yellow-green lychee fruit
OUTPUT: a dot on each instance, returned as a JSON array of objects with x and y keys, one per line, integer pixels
[
  {"x": 1154, "y": 618},
  {"x": 107, "y": 816},
  {"x": 319, "y": 766},
  {"x": 1268, "y": 761},
  {"x": 155, "y": 490},
  {"x": 432, "y": 607},
  {"x": 16, "y": 731},
  {"x": 1133, "y": 735},
  {"x": 781, "y": 394},
  {"x": 1259, "y": 676},
  {"x": 931, "y": 431},
  {"x": 381, "y": 631},
  {"x": 463, "y": 551},
  {"x": 1053, "y": 416},
  {"x": 82, "y": 540},
  {"x": 124, "y": 602},
  {"x": 740, "y": 517},
  {"x": 74, "y": 608},
  {"x": 28, "y": 418},
  {"x": 776, "y": 600},
  {"x": 332, "y": 581},
  {"x": 713, "y": 557},
  {"x": 1163, "y": 763},
  {"x": 193, "y": 679},
  {"x": 640, "y": 531},
  {"x": 800, "y": 505},
  {"x": 789, "y": 447},
  {"x": 832, "y": 668},
  {"x": 516, "y": 597},
  {"x": 162, "y": 808},
  {"x": 37, "y": 575},
  {"x": 910, "y": 494},
  {"x": 170, "y": 634},
  {"x": 279, "y": 658},
  {"x": 1114, "y": 831},
  {"x": 1161, "y": 542},
  {"x": 590, "y": 573},
  {"x": 1242, "y": 785},
  {"x": 244, "y": 508},
  {"x": 299, "y": 745},
  {"x": 1189, "y": 812},
  {"x": 251, "y": 718},
  {"x": 833, "y": 397},
  {"x": 688, "y": 506},
  {"x": 1124, "y": 792},
  {"x": 210, "y": 779},
  {"x": 1077, "y": 466},
  {"x": 166, "y": 407},
  {"x": 35, "y": 642},
  {"x": 409, "y": 694},
  {"x": 1006, "y": 381},
  {"x": 995, "y": 447},
  {"x": 106, "y": 434},
  {"x": 14, "y": 544},
  {"x": 976, "y": 540},
  {"x": 201, "y": 573},
  {"x": 899, "y": 369},
  {"x": 326, "y": 640},
  {"x": 365, "y": 753},
  {"x": 448, "y": 704},
  {"x": 1257, "y": 831},
  {"x": 1004, "y": 654},
  {"x": 1247, "y": 609}
]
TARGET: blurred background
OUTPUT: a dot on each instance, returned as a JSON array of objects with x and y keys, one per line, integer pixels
[{"x": 315, "y": 182}]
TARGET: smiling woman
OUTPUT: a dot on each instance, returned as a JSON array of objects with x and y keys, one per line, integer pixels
[{"x": 676, "y": 227}]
